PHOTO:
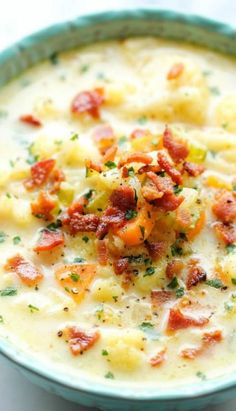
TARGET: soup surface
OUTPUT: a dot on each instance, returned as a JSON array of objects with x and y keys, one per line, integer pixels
[{"x": 117, "y": 213}]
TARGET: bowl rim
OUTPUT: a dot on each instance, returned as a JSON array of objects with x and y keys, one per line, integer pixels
[{"x": 24, "y": 361}]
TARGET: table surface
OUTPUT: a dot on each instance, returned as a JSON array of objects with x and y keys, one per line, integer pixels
[{"x": 15, "y": 389}]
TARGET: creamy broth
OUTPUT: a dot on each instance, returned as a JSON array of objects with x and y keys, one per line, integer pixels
[{"x": 122, "y": 318}]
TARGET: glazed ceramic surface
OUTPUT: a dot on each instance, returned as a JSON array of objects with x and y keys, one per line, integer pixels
[{"x": 82, "y": 31}]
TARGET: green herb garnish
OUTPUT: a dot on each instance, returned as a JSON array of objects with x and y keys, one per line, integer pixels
[
  {"x": 201, "y": 375},
  {"x": 142, "y": 229},
  {"x": 74, "y": 137},
  {"x": 2, "y": 237},
  {"x": 233, "y": 281},
  {"x": 149, "y": 271},
  {"x": 179, "y": 292},
  {"x": 16, "y": 240},
  {"x": 109, "y": 375},
  {"x": 54, "y": 226},
  {"x": 8, "y": 292},
  {"x": 32, "y": 308},
  {"x": 129, "y": 214},
  {"x": 173, "y": 284},
  {"x": 104, "y": 352},
  {"x": 74, "y": 277},
  {"x": 54, "y": 59},
  {"x": 85, "y": 239},
  {"x": 215, "y": 91},
  {"x": 215, "y": 283},
  {"x": 177, "y": 189},
  {"x": 231, "y": 248},
  {"x": 142, "y": 120},
  {"x": 110, "y": 164}
]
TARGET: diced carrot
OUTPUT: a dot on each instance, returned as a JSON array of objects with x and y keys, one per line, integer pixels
[
  {"x": 138, "y": 230},
  {"x": 198, "y": 226},
  {"x": 76, "y": 278}
]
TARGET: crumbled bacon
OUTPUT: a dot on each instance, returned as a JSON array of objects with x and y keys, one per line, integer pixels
[
  {"x": 158, "y": 359},
  {"x": 135, "y": 158},
  {"x": 174, "y": 268},
  {"x": 208, "y": 339},
  {"x": 163, "y": 184},
  {"x": 78, "y": 223},
  {"x": 88, "y": 102},
  {"x": 102, "y": 252},
  {"x": 177, "y": 320},
  {"x": 125, "y": 172},
  {"x": 225, "y": 232},
  {"x": 40, "y": 173},
  {"x": 28, "y": 273},
  {"x": 43, "y": 207},
  {"x": 169, "y": 168},
  {"x": 156, "y": 250},
  {"x": 120, "y": 265},
  {"x": 89, "y": 164},
  {"x": 112, "y": 217},
  {"x": 196, "y": 274},
  {"x": 150, "y": 193},
  {"x": 193, "y": 169},
  {"x": 127, "y": 279},
  {"x": 123, "y": 197},
  {"x": 155, "y": 168},
  {"x": 110, "y": 154},
  {"x": 104, "y": 137},
  {"x": 31, "y": 120},
  {"x": 80, "y": 340},
  {"x": 160, "y": 297},
  {"x": 178, "y": 151},
  {"x": 225, "y": 206},
  {"x": 57, "y": 177},
  {"x": 49, "y": 240},
  {"x": 175, "y": 71},
  {"x": 169, "y": 202}
]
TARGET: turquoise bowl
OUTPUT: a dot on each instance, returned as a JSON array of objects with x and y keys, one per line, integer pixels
[{"x": 84, "y": 30}]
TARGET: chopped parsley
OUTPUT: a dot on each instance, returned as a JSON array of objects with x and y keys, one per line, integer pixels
[
  {"x": 99, "y": 312},
  {"x": 84, "y": 68},
  {"x": 74, "y": 137},
  {"x": 104, "y": 352},
  {"x": 231, "y": 248},
  {"x": 215, "y": 91},
  {"x": 173, "y": 284},
  {"x": 149, "y": 329},
  {"x": 233, "y": 281},
  {"x": 110, "y": 164},
  {"x": 54, "y": 226},
  {"x": 228, "y": 307},
  {"x": 142, "y": 120},
  {"x": 2, "y": 237},
  {"x": 54, "y": 59},
  {"x": 129, "y": 214},
  {"x": 149, "y": 271},
  {"x": 8, "y": 292},
  {"x": 8, "y": 195},
  {"x": 224, "y": 125},
  {"x": 179, "y": 292},
  {"x": 85, "y": 239},
  {"x": 176, "y": 249},
  {"x": 32, "y": 159},
  {"x": 89, "y": 194},
  {"x": 215, "y": 283},
  {"x": 109, "y": 375},
  {"x": 142, "y": 229},
  {"x": 16, "y": 240},
  {"x": 122, "y": 140},
  {"x": 146, "y": 326},
  {"x": 78, "y": 260},
  {"x": 177, "y": 189},
  {"x": 1, "y": 319},
  {"x": 32, "y": 308},
  {"x": 115, "y": 298},
  {"x": 201, "y": 375},
  {"x": 74, "y": 277},
  {"x": 131, "y": 171}
]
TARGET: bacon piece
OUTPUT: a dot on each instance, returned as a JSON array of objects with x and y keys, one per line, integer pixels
[
  {"x": 208, "y": 339},
  {"x": 112, "y": 217},
  {"x": 183, "y": 218},
  {"x": 80, "y": 340},
  {"x": 178, "y": 151},
  {"x": 150, "y": 192},
  {"x": 78, "y": 223},
  {"x": 125, "y": 172},
  {"x": 156, "y": 250},
  {"x": 75, "y": 279},
  {"x": 120, "y": 265},
  {"x": 104, "y": 137},
  {"x": 31, "y": 120},
  {"x": 123, "y": 198},
  {"x": 196, "y": 274},
  {"x": 135, "y": 158},
  {"x": 88, "y": 102},
  {"x": 169, "y": 168},
  {"x": 175, "y": 71},
  {"x": 28, "y": 273},
  {"x": 177, "y": 320},
  {"x": 193, "y": 169},
  {"x": 158, "y": 359},
  {"x": 57, "y": 177},
  {"x": 225, "y": 206},
  {"x": 93, "y": 166},
  {"x": 49, "y": 240},
  {"x": 160, "y": 297},
  {"x": 102, "y": 252},
  {"x": 225, "y": 232},
  {"x": 169, "y": 202},
  {"x": 174, "y": 268},
  {"x": 110, "y": 154},
  {"x": 163, "y": 184},
  {"x": 155, "y": 168},
  {"x": 40, "y": 173},
  {"x": 127, "y": 280},
  {"x": 43, "y": 207}
]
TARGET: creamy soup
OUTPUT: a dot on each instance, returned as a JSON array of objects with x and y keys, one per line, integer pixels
[{"x": 117, "y": 213}]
